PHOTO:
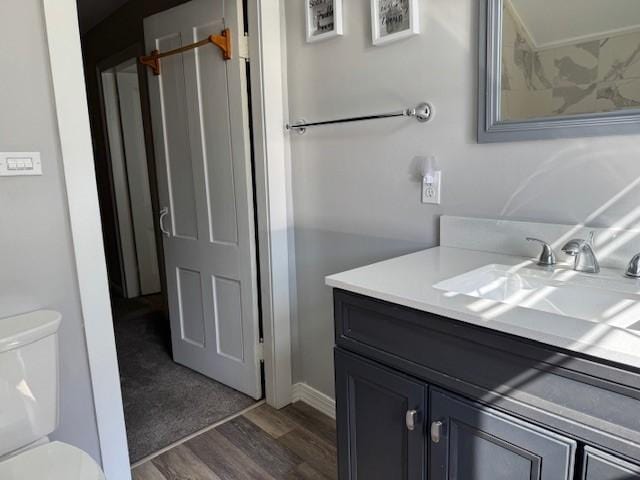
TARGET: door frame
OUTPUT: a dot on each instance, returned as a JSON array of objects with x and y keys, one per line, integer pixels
[{"x": 273, "y": 213}]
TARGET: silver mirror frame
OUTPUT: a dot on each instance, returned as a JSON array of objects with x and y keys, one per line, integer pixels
[{"x": 491, "y": 129}]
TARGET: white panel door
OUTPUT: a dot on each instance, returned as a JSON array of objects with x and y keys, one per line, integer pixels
[
  {"x": 126, "y": 237},
  {"x": 138, "y": 179},
  {"x": 201, "y": 135}
]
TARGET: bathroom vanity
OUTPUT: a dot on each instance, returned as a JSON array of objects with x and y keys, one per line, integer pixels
[{"x": 461, "y": 363}]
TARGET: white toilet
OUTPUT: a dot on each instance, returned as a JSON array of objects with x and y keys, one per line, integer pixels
[{"x": 29, "y": 404}]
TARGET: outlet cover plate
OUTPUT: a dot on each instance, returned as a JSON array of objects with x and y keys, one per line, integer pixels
[{"x": 431, "y": 189}]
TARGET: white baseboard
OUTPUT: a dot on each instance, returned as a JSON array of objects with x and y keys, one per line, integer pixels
[{"x": 301, "y": 392}]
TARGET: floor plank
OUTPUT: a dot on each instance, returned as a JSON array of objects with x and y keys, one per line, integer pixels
[
  {"x": 180, "y": 463},
  {"x": 225, "y": 459},
  {"x": 312, "y": 420},
  {"x": 313, "y": 449},
  {"x": 270, "y": 420},
  {"x": 256, "y": 443},
  {"x": 147, "y": 471},
  {"x": 295, "y": 443},
  {"x": 305, "y": 472}
]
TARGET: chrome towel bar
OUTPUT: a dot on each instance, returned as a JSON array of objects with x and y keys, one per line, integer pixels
[{"x": 423, "y": 112}]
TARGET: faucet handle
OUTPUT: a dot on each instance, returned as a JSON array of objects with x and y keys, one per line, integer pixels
[
  {"x": 633, "y": 269},
  {"x": 547, "y": 256},
  {"x": 575, "y": 246}
]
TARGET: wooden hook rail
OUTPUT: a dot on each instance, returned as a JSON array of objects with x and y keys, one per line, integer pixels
[{"x": 222, "y": 41}]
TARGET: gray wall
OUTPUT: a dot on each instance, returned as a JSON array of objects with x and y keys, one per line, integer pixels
[
  {"x": 37, "y": 267},
  {"x": 355, "y": 191}
]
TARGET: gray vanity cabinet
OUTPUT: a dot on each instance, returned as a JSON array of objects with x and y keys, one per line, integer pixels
[
  {"x": 473, "y": 442},
  {"x": 601, "y": 466},
  {"x": 488, "y": 406},
  {"x": 380, "y": 417}
]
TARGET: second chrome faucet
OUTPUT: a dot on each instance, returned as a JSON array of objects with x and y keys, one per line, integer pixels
[{"x": 584, "y": 253}]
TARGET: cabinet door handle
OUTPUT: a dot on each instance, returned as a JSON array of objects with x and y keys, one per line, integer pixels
[
  {"x": 436, "y": 431},
  {"x": 163, "y": 213},
  {"x": 411, "y": 418}
]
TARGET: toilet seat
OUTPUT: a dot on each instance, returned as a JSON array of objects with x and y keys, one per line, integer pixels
[{"x": 52, "y": 461}]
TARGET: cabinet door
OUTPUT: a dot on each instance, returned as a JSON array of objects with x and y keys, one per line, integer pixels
[
  {"x": 472, "y": 442},
  {"x": 381, "y": 422},
  {"x": 601, "y": 466}
]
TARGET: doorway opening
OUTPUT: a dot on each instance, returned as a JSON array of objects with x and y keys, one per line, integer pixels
[
  {"x": 82, "y": 164},
  {"x": 174, "y": 332}
]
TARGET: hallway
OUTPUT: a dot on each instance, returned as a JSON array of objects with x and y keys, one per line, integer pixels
[{"x": 163, "y": 401}]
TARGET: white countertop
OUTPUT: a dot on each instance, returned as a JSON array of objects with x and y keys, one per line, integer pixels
[{"x": 409, "y": 280}]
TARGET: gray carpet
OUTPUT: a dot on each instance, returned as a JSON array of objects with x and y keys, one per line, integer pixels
[{"x": 163, "y": 401}]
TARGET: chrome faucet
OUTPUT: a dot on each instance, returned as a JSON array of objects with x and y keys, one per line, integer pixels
[{"x": 586, "y": 260}]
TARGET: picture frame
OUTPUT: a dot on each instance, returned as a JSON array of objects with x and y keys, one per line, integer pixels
[
  {"x": 393, "y": 20},
  {"x": 323, "y": 19}
]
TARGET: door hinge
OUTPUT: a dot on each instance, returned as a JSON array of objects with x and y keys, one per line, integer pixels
[
  {"x": 260, "y": 350},
  {"x": 243, "y": 48}
]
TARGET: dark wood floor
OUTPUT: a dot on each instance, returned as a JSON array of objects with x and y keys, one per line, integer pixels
[{"x": 297, "y": 442}]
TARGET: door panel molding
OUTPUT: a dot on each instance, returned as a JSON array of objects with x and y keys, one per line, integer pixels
[
  {"x": 232, "y": 333},
  {"x": 188, "y": 305}
]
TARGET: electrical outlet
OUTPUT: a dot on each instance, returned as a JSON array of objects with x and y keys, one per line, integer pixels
[{"x": 431, "y": 186}]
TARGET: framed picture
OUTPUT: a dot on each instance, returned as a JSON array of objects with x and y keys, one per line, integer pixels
[
  {"x": 393, "y": 20},
  {"x": 324, "y": 19}
]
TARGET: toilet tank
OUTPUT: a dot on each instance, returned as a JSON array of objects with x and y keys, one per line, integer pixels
[{"x": 28, "y": 378}]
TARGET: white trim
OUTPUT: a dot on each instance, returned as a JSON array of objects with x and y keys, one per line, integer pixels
[
  {"x": 67, "y": 72},
  {"x": 302, "y": 392},
  {"x": 194, "y": 435},
  {"x": 566, "y": 42},
  {"x": 618, "y": 32},
  {"x": 271, "y": 153},
  {"x": 518, "y": 19}
]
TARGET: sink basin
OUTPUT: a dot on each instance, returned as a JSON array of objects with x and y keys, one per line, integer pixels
[{"x": 611, "y": 300}]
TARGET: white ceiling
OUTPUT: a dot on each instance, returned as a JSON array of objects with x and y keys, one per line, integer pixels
[
  {"x": 92, "y": 12},
  {"x": 559, "y": 22}
]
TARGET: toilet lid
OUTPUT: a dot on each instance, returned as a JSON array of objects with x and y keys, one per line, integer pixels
[{"x": 52, "y": 461}]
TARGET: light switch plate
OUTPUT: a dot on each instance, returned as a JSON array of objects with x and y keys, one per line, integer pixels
[{"x": 15, "y": 164}]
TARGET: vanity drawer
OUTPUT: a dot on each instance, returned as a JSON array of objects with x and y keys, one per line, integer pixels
[
  {"x": 572, "y": 394},
  {"x": 602, "y": 466}
]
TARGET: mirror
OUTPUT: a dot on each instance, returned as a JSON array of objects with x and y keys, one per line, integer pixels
[{"x": 551, "y": 68}]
